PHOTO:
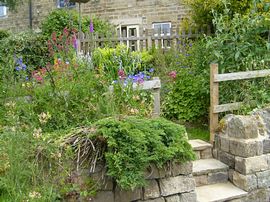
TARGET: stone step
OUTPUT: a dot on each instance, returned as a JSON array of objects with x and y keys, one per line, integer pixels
[
  {"x": 219, "y": 192},
  {"x": 202, "y": 149},
  {"x": 209, "y": 171}
]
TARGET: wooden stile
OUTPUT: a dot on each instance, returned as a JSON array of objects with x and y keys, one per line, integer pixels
[{"x": 215, "y": 78}]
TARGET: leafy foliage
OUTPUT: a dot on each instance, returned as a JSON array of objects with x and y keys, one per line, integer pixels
[
  {"x": 59, "y": 19},
  {"x": 29, "y": 46},
  {"x": 201, "y": 10},
  {"x": 4, "y": 34},
  {"x": 110, "y": 60},
  {"x": 129, "y": 144}
]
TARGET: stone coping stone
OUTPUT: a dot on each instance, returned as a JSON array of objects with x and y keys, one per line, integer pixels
[
  {"x": 205, "y": 166},
  {"x": 219, "y": 192},
  {"x": 199, "y": 145}
]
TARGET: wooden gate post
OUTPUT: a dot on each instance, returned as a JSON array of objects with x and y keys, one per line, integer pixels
[{"x": 214, "y": 101}]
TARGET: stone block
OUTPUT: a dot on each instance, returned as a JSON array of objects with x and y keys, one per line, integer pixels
[
  {"x": 215, "y": 153},
  {"x": 197, "y": 154},
  {"x": 102, "y": 196},
  {"x": 226, "y": 158},
  {"x": 224, "y": 143},
  {"x": 151, "y": 190},
  {"x": 201, "y": 180},
  {"x": 263, "y": 179},
  {"x": 181, "y": 168},
  {"x": 230, "y": 174},
  {"x": 105, "y": 183},
  {"x": 251, "y": 165},
  {"x": 266, "y": 146},
  {"x": 188, "y": 197},
  {"x": 259, "y": 195},
  {"x": 217, "y": 177},
  {"x": 245, "y": 182},
  {"x": 175, "y": 185},
  {"x": 161, "y": 199},
  {"x": 153, "y": 172},
  {"x": 126, "y": 196},
  {"x": 242, "y": 127},
  {"x": 246, "y": 148},
  {"x": 174, "y": 198},
  {"x": 206, "y": 153}
]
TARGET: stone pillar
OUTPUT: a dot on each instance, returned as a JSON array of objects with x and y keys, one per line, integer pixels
[{"x": 240, "y": 145}]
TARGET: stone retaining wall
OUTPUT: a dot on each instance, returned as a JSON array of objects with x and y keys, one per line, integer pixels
[
  {"x": 243, "y": 144},
  {"x": 173, "y": 183}
]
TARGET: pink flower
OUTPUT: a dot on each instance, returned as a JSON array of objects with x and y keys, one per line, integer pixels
[
  {"x": 121, "y": 74},
  {"x": 173, "y": 74}
]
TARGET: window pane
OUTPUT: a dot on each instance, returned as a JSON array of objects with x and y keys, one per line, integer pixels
[
  {"x": 166, "y": 28},
  {"x": 62, "y": 3},
  {"x": 157, "y": 28},
  {"x": 3, "y": 11}
]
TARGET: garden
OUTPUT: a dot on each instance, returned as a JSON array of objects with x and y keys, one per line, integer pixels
[{"x": 58, "y": 116}]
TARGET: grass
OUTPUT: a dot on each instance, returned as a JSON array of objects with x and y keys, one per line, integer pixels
[{"x": 201, "y": 133}]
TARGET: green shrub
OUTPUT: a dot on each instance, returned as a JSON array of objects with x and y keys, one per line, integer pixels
[
  {"x": 4, "y": 34},
  {"x": 58, "y": 19},
  {"x": 201, "y": 10},
  {"x": 239, "y": 44},
  {"x": 32, "y": 48},
  {"x": 128, "y": 145}
]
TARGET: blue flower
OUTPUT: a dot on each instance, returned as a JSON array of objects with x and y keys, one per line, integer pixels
[{"x": 151, "y": 70}]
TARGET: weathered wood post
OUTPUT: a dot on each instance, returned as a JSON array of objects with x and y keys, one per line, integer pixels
[
  {"x": 214, "y": 100},
  {"x": 156, "y": 94}
]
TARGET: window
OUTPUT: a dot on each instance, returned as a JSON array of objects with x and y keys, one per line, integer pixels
[
  {"x": 65, "y": 3},
  {"x": 162, "y": 30},
  {"x": 3, "y": 11},
  {"x": 130, "y": 33}
]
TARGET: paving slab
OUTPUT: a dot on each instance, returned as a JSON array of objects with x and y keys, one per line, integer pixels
[
  {"x": 219, "y": 192},
  {"x": 205, "y": 166},
  {"x": 199, "y": 145}
]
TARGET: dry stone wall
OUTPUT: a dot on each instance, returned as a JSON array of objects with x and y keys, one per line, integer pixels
[
  {"x": 172, "y": 183},
  {"x": 243, "y": 144}
]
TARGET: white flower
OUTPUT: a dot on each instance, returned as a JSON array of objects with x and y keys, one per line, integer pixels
[
  {"x": 34, "y": 194},
  {"x": 44, "y": 117},
  {"x": 37, "y": 133}
]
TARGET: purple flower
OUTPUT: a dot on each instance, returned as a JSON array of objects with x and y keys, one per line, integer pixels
[
  {"x": 151, "y": 70},
  {"x": 91, "y": 27},
  {"x": 74, "y": 42}
]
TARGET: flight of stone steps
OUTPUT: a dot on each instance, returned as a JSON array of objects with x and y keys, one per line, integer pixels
[{"x": 211, "y": 176}]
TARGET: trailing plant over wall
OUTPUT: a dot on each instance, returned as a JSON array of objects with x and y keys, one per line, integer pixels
[{"x": 128, "y": 145}]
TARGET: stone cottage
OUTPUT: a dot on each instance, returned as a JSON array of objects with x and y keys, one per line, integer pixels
[{"x": 131, "y": 17}]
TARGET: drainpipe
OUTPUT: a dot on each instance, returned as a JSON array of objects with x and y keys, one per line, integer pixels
[{"x": 30, "y": 15}]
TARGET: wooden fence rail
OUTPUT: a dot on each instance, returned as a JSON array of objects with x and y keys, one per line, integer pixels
[
  {"x": 215, "y": 78},
  {"x": 144, "y": 41}
]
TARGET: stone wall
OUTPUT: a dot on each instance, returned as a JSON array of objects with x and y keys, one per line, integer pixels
[
  {"x": 142, "y": 12},
  {"x": 172, "y": 183},
  {"x": 19, "y": 20},
  {"x": 131, "y": 12},
  {"x": 243, "y": 144}
]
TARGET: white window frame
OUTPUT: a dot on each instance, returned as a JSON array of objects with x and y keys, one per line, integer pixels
[
  {"x": 4, "y": 11},
  {"x": 119, "y": 28},
  {"x": 162, "y": 33},
  {"x": 69, "y": 6}
]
